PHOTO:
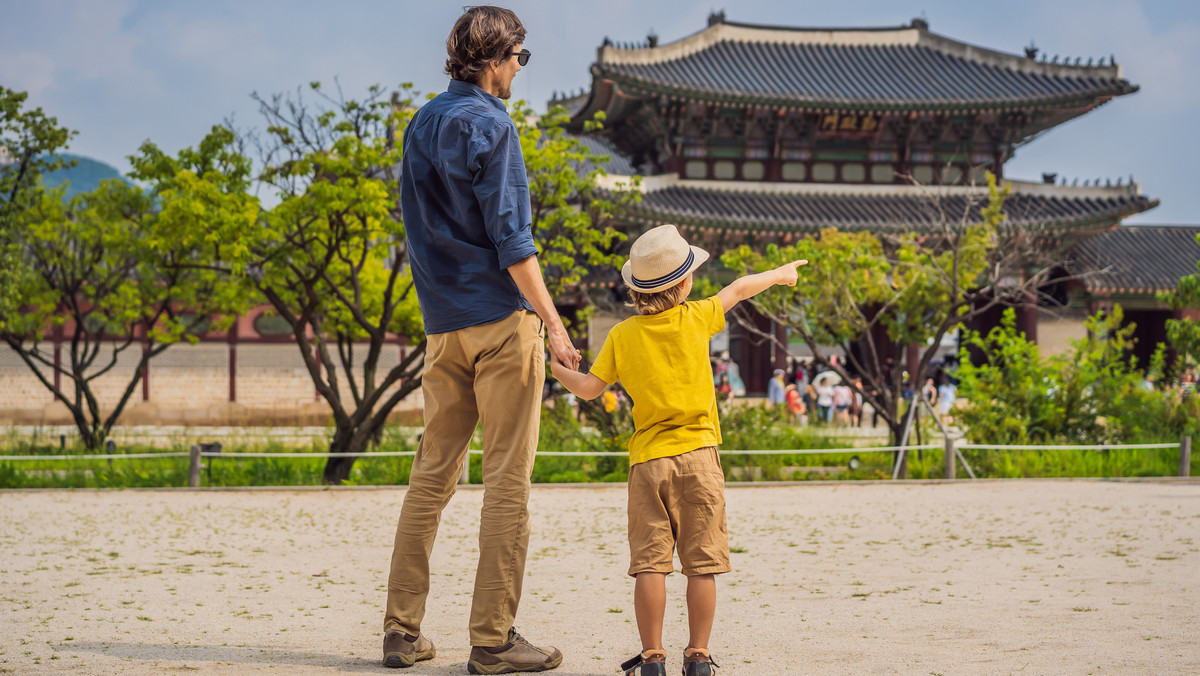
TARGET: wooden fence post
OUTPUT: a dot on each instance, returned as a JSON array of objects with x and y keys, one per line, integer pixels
[
  {"x": 466, "y": 475},
  {"x": 194, "y": 466},
  {"x": 950, "y": 453},
  {"x": 1185, "y": 456}
]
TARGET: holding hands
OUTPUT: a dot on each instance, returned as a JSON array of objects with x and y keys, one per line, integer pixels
[{"x": 562, "y": 350}]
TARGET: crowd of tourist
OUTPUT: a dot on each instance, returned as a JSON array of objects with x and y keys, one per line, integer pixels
[{"x": 816, "y": 396}]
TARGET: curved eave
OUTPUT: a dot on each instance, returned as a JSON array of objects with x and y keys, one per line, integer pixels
[
  {"x": 647, "y": 216},
  {"x": 607, "y": 97},
  {"x": 642, "y": 89}
]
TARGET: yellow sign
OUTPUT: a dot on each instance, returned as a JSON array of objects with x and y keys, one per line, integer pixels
[{"x": 847, "y": 123}]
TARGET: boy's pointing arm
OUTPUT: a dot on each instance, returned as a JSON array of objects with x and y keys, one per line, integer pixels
[{"x": 752, "y": 285}]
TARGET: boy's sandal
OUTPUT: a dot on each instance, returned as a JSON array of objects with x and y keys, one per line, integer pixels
[
  {"x": 699, "y": 663},
  {"x": 648, "y": 663}
]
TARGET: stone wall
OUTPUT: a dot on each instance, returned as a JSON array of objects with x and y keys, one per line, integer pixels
[{"x": 190, "y": 384}]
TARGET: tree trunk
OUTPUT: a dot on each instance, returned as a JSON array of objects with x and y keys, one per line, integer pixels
[{"x": 346, "y": 440}]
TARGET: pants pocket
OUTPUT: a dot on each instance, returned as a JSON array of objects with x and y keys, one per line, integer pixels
[{"x": 704, "y": 488}]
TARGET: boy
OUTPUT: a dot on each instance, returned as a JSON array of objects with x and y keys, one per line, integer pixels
[{"x": 676, "y": 486}]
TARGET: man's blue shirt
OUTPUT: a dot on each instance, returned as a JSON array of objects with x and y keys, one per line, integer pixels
[{"x": 465, "y": 199}]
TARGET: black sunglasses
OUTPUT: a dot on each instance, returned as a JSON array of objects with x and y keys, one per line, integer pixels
[{"x": 522, "y": 56}]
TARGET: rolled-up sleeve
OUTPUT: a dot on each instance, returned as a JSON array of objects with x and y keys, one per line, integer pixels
[{"x": 502, "y": 190}]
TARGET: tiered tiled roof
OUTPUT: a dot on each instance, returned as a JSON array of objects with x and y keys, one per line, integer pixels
[
  {"x": 903, "y": 68},
  {"x": 600, "y": 145},
  {"x": 1137, "y": 259},
  {"x": 806, "y": 208}
]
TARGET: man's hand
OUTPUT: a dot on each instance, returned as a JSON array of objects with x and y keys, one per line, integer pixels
[
  {"x": 563, "y": 351},
  {"x": 582, "y": 385},
  {"x": 528, "y": 277},
  {"x": 788, "y": 275}
]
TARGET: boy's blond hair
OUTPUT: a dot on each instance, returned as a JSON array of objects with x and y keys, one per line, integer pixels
[{"x": 659, "y": 301}]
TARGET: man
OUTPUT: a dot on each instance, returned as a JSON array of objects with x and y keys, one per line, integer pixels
[{"x": 465, "y": 199}]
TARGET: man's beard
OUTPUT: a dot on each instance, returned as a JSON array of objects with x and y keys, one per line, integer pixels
[{"x": 504, "y": 92}]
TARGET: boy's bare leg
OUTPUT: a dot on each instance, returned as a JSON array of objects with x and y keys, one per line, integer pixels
[
  {"x": 649, "y": 605},
  {"x": 702, "y": 607}
]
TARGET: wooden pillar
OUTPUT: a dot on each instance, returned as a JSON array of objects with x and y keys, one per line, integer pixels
[
  {"x": 756, "y": 358},
  {"x": 233, "y": 336},
  {"x": 1027, "y": 316},
  {"x": 774, "y": 170},
  {"x": 779, "y": 347},
  {"x": 194, "y": 466}
]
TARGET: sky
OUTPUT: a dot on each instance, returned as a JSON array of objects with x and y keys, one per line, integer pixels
[{"x": 124, "y": 71}]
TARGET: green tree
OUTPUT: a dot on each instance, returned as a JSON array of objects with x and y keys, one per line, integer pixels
[
  {"x": 331, "y": 258},
  {"x": 29, "y": 140},
  {"x": 1184, "y": 334},
  {"x": 874, "y": 294},
  {"x": 571, "y": 213},
  {"x": 572, "y": 217},
  {"x": 112, "y": 273}
]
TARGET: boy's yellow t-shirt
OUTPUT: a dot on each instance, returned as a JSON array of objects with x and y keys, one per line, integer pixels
[{"x": 662, "y": 361}]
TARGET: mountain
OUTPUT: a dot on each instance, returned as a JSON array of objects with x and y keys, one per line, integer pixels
[{"x": 85, "y": 176}]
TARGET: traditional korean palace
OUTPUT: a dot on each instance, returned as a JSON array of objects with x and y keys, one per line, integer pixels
[
  {"x": 749, "y": 134},
  {"x": 759, "y": 134}
]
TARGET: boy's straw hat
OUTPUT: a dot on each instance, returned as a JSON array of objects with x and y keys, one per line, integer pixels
[{"x": 660, "y": 259}]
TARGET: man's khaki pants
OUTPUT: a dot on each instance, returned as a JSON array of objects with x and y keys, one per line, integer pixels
[{"x": 492, "y": 374}]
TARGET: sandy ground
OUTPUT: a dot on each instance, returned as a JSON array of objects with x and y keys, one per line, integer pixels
[{"x": 1028, "y": 577}]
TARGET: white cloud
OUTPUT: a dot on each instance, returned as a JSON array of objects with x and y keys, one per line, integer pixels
[
  {"x": 99, "y": 47},
  {"x": 31, "y": 72}
]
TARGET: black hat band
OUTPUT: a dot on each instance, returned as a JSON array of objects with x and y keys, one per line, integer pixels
[{"x": 674, "y": 276}]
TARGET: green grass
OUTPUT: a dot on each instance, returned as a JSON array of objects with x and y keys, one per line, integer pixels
[{"x": 754, "y": 428}]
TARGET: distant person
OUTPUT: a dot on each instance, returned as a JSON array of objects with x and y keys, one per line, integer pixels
[
  {"x": 676, "y": 485},
  {"x": 843, "y": 398},
  {"x": 775, "y": 388},
  {"x": 731, "y": 368},
  {"x": 856, "y": 408},
  {"x": 946, "y": 395},
  {"x": 724, "y": 389},
  {"x": 825, "y": 400},
  {"x": 929, "y": 392},
  {"x": 810, "y": 402},
  {"x": 795, "y": 403},
  {"x": 464, "y": 192}
]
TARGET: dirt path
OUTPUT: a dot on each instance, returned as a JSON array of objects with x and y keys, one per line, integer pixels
[{"x": 1029, "y": 577}]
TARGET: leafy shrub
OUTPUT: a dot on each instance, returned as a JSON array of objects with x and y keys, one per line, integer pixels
[{"x": 1092, "y": 394}]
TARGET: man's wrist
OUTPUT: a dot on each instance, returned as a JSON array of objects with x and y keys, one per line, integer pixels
[{"x": 556, "y": 329}]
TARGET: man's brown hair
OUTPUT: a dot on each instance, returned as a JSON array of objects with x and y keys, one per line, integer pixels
[
  {"x": 482, "y": 35},
  {"x": 659, "y": 301}
]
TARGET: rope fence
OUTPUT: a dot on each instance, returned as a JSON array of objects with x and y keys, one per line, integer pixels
[{"x": 953, "y": 449}]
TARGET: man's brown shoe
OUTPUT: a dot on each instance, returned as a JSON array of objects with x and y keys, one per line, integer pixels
[
  {"x": 404, "y": 650},
  {"x": 516, "y": 655}
]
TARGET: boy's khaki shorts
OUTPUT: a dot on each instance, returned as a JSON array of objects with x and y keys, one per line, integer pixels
[{"x": 678, "y": 502}]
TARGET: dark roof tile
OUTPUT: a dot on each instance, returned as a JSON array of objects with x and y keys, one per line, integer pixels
[
  {"x": 596, "y": 144},
  {"x": 932, "y": 71},
  {"x": 1137, "y": 258},
  {"x": 810, "y": 212}
]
